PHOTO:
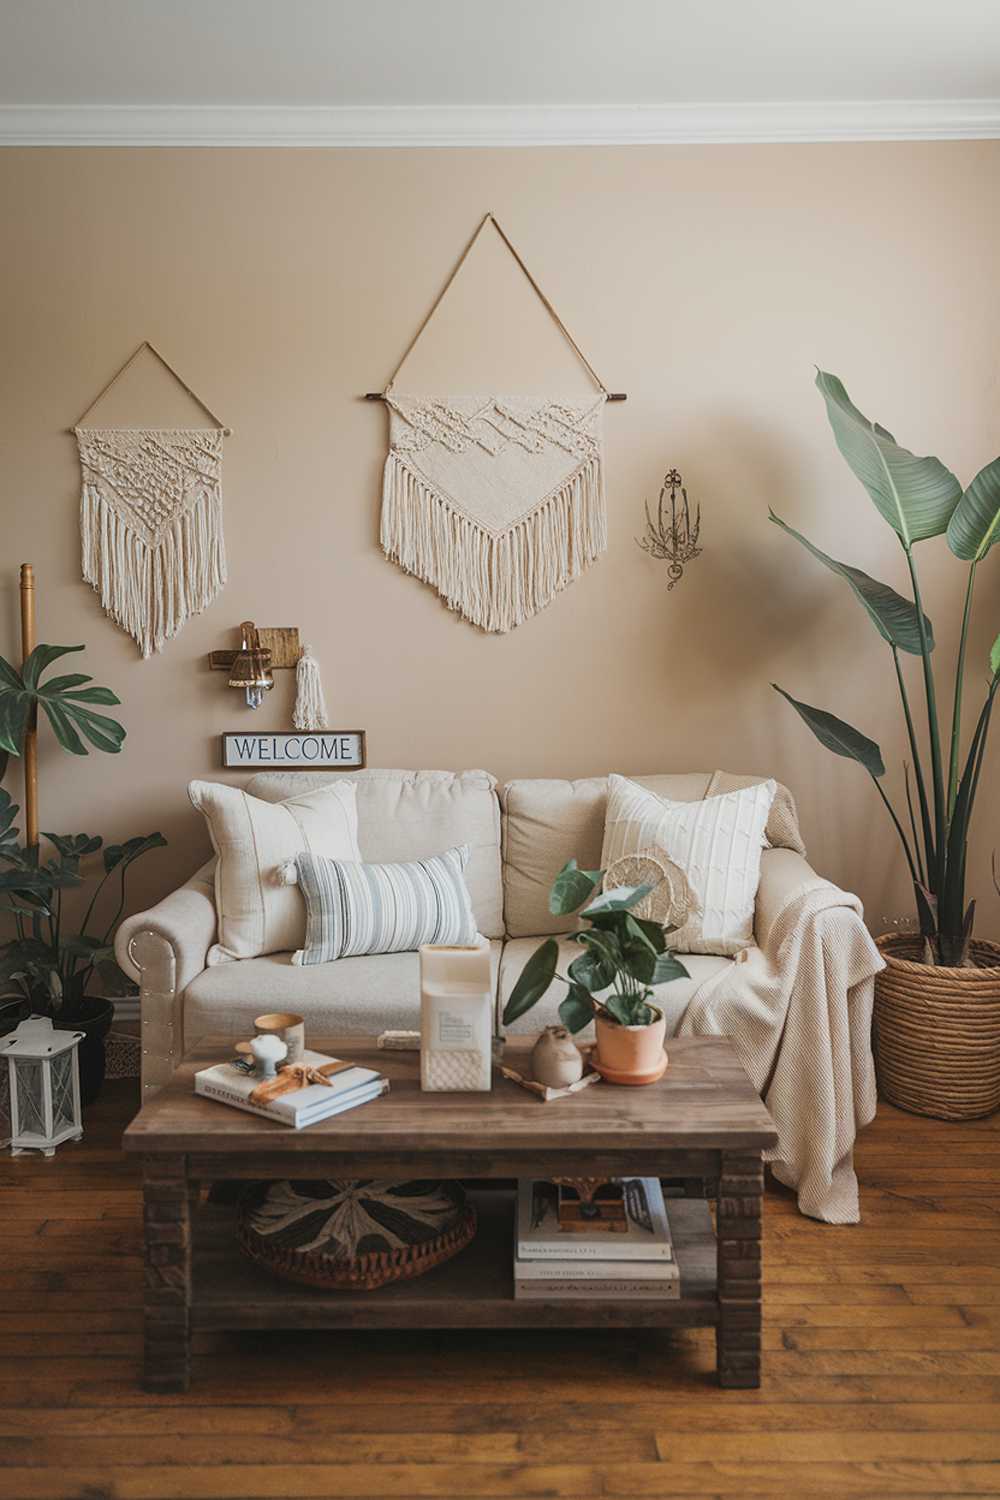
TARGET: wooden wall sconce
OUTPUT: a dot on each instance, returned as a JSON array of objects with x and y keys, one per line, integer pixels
[{"x": 261, "y": 653}]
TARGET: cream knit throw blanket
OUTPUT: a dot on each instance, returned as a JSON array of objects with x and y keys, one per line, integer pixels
[
  {"x": 496, "y": 501},
  {"x": 151, "y": 520}
]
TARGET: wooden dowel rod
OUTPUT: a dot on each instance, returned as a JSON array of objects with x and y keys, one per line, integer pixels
[
  {"x": 31, "y": 733},
  {"x": 380, "y": 396}
]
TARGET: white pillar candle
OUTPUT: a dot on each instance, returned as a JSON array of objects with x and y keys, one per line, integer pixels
[{"x": 456, "y": 1018}]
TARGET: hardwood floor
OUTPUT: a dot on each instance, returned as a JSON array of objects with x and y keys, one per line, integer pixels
[{"x": 881, "y": 1376}]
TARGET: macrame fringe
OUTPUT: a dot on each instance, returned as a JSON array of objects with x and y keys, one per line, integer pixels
[
  {"x": 310, "y": 705},
  {"x": 496, "y": 580},
  {"x": 152, "y": 591}
]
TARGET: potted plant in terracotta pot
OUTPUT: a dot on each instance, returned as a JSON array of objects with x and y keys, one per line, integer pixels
[
  {"x": 937, "y": 1002},
  {"x": 611, "y": 981}
]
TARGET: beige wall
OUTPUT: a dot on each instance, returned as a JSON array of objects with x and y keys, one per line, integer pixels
[{"x": 705, "y": 282}]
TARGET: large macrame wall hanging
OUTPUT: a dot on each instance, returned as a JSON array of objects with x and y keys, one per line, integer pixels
[
  {"x": 497, "y": 501},
  {"x": 151, "y": 519}
]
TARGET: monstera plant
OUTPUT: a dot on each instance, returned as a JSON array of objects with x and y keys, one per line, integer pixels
[
  {"x": 66, "y": 701},
  {"x": 920, "y": 499}
]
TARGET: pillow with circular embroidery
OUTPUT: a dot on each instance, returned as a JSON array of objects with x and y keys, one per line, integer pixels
[{"x": 354, "y": 1235}]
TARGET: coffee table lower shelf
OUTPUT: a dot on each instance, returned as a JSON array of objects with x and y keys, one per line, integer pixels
[{"x": 475, "y": 1290}]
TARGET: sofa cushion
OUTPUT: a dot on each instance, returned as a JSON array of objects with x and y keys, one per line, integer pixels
[
  {"x": 406, "y": 815},
  {"x": 712, "y": 848},
  {"x": 358, "y": 909},
  {"x": 546, "y": 823},
  {"x": 352, "y": 997},
  {"x": 252, "y": 839},
  {"x": 673, "y": 998}
]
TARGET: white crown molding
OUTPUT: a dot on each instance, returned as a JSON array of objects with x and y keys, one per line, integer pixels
[{"x": 498, "y": 125}]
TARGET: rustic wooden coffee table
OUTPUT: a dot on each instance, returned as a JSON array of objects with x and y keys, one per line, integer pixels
[{"x": 702, "y": 1121}]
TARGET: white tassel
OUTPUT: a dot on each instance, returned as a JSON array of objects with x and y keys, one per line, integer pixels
[
  {"x": 287, "y": 874},
  {"x": 310, "y": 705}
]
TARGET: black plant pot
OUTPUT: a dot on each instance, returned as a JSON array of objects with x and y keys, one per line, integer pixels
[
  {"x": 93, "y": 1017},
  {"x": 12, "y": 1013}
]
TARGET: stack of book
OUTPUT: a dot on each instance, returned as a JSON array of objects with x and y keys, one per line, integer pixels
[
  {"x": 347, "y": 1085},
  {"x": 615, "y": 1245}
]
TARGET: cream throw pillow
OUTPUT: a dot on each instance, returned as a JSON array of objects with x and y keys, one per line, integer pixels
[
  {"x": 707, "y": 852},
  {"x": 252, "y": 840}
]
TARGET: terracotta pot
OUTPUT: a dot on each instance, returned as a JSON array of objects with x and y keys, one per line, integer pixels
[{"x": 631, "y": 1054}]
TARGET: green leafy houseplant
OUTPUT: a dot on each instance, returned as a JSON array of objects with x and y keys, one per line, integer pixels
[
  {"x": 919, "y": 498},
  {"x": 42, "y": 962},
  {"x": 50, "y": 967},
  {"x": 620, "y": 952},
  {"x": 66, "y": 702}
]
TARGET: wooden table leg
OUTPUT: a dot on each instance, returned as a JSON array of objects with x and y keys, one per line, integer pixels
[
  {"x": 738, "y": 1225},
  {"x": 167, "y": 1297}
]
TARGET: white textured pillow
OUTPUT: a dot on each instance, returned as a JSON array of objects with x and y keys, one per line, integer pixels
[
  {"x": 253, "y": 839},
  {"x": 710, "y": 851}
]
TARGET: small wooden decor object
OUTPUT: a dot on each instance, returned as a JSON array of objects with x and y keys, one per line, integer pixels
[
  {"x": 281, "y": 641},
  {"x": 543, "y": 1092}
]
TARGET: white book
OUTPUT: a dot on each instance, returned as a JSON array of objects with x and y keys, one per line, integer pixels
[
  {"x": 352, "y": 1086},
  {"x": 646, "y": 1236}
]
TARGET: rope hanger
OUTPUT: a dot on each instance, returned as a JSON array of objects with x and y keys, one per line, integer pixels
[
  {"x": 226, "y": 431},
  {"x": 490, "y": 218}
]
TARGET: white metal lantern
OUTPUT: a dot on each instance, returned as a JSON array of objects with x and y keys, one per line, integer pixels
[{"x": 44, "y": 1078}]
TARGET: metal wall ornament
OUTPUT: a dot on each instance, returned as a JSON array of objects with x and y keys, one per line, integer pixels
[{"x": 673, "y": 537}]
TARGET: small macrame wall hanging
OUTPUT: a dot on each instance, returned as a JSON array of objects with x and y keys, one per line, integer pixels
[
  {"x": 151, "y": 518},
  {"x": 496, "y": 501}
]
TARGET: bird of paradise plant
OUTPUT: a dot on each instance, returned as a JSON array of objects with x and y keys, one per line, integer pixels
[{"x": 919, "y": 498}]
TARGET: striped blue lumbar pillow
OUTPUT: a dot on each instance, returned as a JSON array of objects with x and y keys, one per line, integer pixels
[{"x": 353, "y": 909}]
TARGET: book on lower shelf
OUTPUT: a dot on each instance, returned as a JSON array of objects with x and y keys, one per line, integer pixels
[
  {"x": 611, "y": 1288},
  {"x": 554, "y": 1223},
  {"x": 347, "y": 1085},
  {"x": 626, "y": 1255}
]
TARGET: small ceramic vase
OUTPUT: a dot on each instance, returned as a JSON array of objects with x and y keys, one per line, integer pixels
[{"x": 556, "y": 1060}]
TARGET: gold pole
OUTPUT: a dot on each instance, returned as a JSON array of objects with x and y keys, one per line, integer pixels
[{"x": 31, "y": 734}]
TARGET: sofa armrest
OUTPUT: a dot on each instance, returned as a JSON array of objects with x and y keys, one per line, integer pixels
[
  {"x": 784, "y": 875},
  {"x": 163, "y": 949}
]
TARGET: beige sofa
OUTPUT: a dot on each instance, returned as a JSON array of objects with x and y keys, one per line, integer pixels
[{"x": 520, "y": 836}]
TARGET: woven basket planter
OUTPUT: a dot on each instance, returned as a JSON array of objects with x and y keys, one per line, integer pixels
[{"x": 937, "y": 1031}]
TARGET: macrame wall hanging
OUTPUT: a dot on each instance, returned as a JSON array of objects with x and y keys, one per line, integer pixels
[
  {"x": 497, "y": 501},
  {"x": 151, "y": 518}
]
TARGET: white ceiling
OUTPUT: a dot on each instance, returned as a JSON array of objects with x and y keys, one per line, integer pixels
[{"x": 204, "y": 68}]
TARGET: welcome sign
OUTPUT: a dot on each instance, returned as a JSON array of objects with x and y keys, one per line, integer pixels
[{"x": 332, "y": 750}]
